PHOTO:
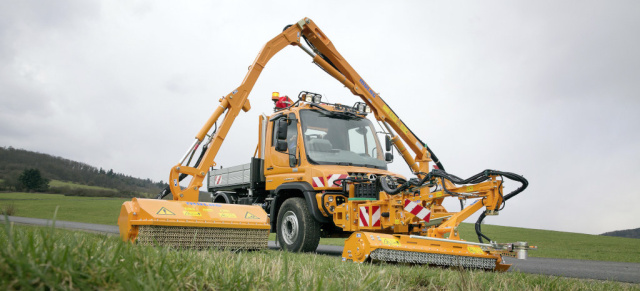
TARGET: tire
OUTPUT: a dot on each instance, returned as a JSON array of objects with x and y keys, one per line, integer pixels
[{"x": 297, "y": 230}]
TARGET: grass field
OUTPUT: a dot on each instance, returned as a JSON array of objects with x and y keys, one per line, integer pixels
[
  {"x": 46, "y": 258},
  {"x": 72, "y": 208},
  {"x": 551, "y": 244},
  {"x": 57, "y": 183}
]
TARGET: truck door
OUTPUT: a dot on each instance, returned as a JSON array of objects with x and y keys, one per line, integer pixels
[{"x": 283, "y": 161}]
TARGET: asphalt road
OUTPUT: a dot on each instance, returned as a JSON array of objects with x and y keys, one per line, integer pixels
[{"x": 614, "y": 271}]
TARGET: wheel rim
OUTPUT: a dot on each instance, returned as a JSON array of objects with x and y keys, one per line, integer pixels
[{"x": 289, "y": 227}]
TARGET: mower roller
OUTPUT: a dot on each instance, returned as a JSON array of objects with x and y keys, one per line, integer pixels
[{"x": 193, "y": 225}]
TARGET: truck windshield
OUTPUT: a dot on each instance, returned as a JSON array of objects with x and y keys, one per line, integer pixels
[{"x": 339, "y": 139}]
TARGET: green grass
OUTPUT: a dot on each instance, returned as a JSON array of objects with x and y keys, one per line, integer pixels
[
  {"x": 72, "y": 208},
  {"x": 563, "y": 245},
  {"x": 57, "y": 183},
  {"x": 551, "y": 244},
  {"x": 46, "y": 258}
]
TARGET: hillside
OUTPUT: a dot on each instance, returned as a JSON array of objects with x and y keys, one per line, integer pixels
[
  {"x": 14, "y": 161},
  {"x": 629, "y": 233}
]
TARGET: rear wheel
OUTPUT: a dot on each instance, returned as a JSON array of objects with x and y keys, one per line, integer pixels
[{"x": 297, "y": 230}]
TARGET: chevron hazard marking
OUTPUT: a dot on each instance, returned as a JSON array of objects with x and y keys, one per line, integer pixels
[
  {"x": 417, "y": 210},
  {"x": 318, "y": 181},
  {"x": 364, "y": 216},
  {"x": 375, "y": 216},
  {"x": 250, "y": 216},
  {"x": 164, "y": 211},
  {"x": 331, "y": 179}
]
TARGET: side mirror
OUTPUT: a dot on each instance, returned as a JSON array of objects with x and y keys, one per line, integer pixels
[
  {"x": 387, "y": 142},
  {"x": 281, "y": 145},
  {"x": 293, "y": 161},
  {"x": 388, "y": 157},
  {"x": 282, "y": 129}
]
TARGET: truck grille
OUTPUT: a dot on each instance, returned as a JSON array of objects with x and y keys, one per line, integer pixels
[{"x": 366, "y": 190}]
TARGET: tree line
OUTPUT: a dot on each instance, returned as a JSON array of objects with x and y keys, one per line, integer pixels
[{"x": 14, "y": 162}]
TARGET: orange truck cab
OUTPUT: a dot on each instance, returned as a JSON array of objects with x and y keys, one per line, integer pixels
[{"x": 304, "y": 154}]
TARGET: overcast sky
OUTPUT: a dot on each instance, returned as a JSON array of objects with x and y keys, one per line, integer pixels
[{"x": 546, "y": 89}]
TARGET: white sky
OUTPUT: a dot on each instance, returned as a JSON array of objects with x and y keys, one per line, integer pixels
[{"x": 545, "y": 89}]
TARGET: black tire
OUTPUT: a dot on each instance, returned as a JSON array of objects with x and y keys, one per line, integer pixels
[{"x": 297, "y": 230}]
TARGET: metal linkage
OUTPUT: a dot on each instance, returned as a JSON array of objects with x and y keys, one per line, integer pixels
[{"x": 432, "y": 259}]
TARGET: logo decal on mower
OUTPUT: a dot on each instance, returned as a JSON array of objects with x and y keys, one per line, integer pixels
[{"x": 191, "y": 213}]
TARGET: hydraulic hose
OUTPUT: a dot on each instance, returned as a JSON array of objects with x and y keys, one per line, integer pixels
[
  {"x": 386, "y": 188},
  {"x": 475, "y": 179},
  {"x": 479, "y": 226}
]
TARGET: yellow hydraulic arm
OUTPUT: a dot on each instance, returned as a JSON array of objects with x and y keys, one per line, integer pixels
[
  {"x": 238, "y": 100},
  {"x": 401, "y": 236}
]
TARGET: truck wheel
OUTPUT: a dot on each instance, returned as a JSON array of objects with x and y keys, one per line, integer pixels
[{"x": 297, "y": 230}]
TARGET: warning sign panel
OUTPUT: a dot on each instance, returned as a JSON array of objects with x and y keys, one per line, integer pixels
[
  {"x": 475, "y": 250},
  {"x": 227, "y": 215},
  {"x": 250, "y": 216},
  {"x": 164, "y": 211}
]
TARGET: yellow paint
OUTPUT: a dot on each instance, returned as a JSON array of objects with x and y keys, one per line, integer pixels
[
  {"x": 227, "y": 215},
  {"x": 191, "y": 213},
  {"x": 392, "y": 242},
  {"x": 388, "y": 111},
  {"x": 475, "y": 250},
  {"x": 402, "y": 127},
  {"x": 469, "y": 188}
]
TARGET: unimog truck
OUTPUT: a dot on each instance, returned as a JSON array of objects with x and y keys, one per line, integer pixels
[{"x": 319, "y": 169}]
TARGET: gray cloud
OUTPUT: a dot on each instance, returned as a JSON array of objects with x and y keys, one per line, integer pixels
[{"x": 544, "y": 89}]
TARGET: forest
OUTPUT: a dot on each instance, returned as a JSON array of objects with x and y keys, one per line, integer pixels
[{"x": 13, "y": 162}]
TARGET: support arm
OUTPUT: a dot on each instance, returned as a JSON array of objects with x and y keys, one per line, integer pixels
[
  {"x": 231, "y": 104},
  {"x": 329, "y": 59}
]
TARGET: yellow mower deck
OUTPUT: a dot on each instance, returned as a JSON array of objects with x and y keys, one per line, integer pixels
[
  {"x": 362, "y": 246},
  {"x": 196, "y": 225}
]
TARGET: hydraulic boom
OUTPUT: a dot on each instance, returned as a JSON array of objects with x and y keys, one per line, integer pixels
[{"x": 297, "y": 177}]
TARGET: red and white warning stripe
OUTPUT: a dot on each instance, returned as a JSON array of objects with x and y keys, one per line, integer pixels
[
  {"x": 417, "y": 210},
  {"x": 334, "y": 177},
  {"x": 319, "y": 181},
  {"x": 364, "y": 216},
  {"x": 218, "y": 180}
]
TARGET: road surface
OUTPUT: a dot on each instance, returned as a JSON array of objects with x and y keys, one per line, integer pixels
[{"x": 614, "y": 271}]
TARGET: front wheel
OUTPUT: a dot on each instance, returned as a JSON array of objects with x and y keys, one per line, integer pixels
[{"x": 297, "y": 230}]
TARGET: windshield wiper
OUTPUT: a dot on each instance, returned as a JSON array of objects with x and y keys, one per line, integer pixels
[
  {"x": 369, "y": 166},
  {"x": 344, "y": 115},
  {"x": 344, "y": 164}
]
